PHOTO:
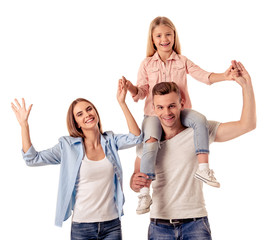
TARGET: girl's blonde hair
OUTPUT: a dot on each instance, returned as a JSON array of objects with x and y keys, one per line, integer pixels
[
  {"x": 73, "y": 129},
  {"x": 151, "y": 48}
]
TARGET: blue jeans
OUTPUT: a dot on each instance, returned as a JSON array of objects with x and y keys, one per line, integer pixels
[
  {"x": 108, "y": 230},
  {"x": 151, "y": 127},
  {"x": 198, "y": 229}
]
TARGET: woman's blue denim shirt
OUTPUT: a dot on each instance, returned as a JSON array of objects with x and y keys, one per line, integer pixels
[{"x": 69, "y": 152}]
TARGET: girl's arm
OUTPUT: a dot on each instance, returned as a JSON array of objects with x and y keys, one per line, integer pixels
[
  {"x": 121, "y": 95},
  {"x": 227, "y": 75},
  {"x": 22, "y": 116}
]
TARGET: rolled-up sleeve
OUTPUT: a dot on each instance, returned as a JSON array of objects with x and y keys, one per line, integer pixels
[
  {"x": 124, "y": 141},
  {"x": 46, "y": 157},
  {"x": 196, "y": 72}
]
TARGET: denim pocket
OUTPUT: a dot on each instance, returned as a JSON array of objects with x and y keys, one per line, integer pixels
[{"x": 206, "y": 224}]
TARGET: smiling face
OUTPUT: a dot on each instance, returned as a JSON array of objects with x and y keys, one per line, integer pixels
[
  {"x": 85, "y": 116},
  {"x": 167, "y": 108},
  {"x": 163, "y": 38}
]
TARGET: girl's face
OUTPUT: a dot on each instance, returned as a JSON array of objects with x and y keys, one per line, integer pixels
[
  {"x": 85, "y": 116},
  {"x": 163, "y": 38}
]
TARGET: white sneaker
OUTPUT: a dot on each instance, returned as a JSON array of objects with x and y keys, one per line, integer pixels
[
  {"x": 207, "y": 176},
  {"x": 143, "y": 203}
]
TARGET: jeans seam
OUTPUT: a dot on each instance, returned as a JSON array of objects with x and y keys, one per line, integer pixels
[{"x": 207, "y": 228}]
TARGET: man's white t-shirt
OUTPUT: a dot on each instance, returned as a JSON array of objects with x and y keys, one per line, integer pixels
[{"x": 176, "y": 193}]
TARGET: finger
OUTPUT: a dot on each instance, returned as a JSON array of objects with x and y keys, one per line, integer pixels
[
  {"x": 14, "y": 108},
  {"x": 29, "y": 109},
  {"x": 141, "y": 181},
  {"x": 23, "y": 103},
  {"x": 233, "y": 64},
  {"x": 242, "y": 68},
  {"x": 119, "y": 85},
  {"x": 141, "y": 175},
  {"x": 17, "y": 102},
  {"x": 238, "y": 67},
  {"x": 230, "y": 68}
]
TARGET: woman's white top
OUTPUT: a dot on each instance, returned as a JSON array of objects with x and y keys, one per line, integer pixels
[{"x": 95, "y": 192}]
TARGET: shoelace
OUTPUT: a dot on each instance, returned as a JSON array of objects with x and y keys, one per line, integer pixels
[
  {"x": 211, "y": 174},
  {"x": 141, "y": 196}
]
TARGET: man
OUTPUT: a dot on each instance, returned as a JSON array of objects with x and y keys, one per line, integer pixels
[{"x": 178, "y": 209}]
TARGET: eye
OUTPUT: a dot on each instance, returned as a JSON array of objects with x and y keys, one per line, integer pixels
[
  {"x": 89, "y": 109},
  {"x": 160, "y": 107}
]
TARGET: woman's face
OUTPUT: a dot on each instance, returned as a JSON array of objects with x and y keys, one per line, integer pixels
[
  {"x": 85, "y": 116},
  {"x": 163, "y": 38}
]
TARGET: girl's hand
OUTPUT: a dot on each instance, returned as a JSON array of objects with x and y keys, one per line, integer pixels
[
  {"x": 122, "y": 90},
  {"x": 130, "y": 87},
  {"x": 20, "y": 111},
  {"x": 232, "y": 71},
  {"x": 242, "y": 77}
]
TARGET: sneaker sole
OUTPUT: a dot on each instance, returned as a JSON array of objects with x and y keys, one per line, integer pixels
[
  {"x": 142, "y": 211},
  {"x": 212, "y": 184}
]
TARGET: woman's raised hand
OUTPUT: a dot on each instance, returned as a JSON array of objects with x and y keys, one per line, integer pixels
[
  {"x": 231, "y": 72},
  {"x": 241, "y": 76},
  {"x": 122, "y": 90},
  {"x": 20, "y": 111}
]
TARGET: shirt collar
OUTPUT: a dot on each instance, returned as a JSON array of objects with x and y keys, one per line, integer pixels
[
  {"x": 156, "y": 56},
  {"x": 74, "y": 140}
]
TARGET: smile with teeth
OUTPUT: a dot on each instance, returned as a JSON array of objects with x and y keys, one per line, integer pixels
[
  {"x": 164, "y": 44},
  {"x": 168, "y": 118},
  {"x": 89, "y": 120}
]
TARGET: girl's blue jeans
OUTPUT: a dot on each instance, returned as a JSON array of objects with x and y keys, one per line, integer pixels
[{"x": 151, "y": 127}]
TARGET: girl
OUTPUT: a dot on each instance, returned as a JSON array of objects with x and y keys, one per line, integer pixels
[
  {"x": 89, "y": 162},
  {"x": 164, "y": 63}
]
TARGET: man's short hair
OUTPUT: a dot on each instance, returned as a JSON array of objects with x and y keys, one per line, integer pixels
[{"x": 164, "y": 88}]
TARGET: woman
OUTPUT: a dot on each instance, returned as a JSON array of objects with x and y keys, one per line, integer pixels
[{"x": 89, "y": 162}]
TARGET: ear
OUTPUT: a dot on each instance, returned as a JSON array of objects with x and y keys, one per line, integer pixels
[{"x": 182, "y": 103}]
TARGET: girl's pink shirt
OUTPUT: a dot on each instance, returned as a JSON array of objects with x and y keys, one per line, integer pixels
[{"x": 152, "y": 71}]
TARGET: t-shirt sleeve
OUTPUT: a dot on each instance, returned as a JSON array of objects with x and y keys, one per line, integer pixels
[{"x": 212, "y": 129}]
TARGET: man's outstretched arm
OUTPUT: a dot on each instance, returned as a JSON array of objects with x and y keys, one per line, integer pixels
[{"x": 247, "y": 122}]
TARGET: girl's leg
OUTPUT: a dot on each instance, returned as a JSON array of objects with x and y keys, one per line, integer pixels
[
  {"x": 197, "y": 121},
  {"x": 152, "y": 130}
]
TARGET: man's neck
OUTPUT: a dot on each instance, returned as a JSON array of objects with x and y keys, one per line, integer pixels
[{"x": 170, "y": 132}]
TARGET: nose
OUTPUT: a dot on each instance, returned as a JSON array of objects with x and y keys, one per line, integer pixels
[
  {"x": 164, "y": 37},
  {"x": 167, "y": 111}
]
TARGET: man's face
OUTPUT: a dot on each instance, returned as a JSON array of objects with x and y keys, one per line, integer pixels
[{"x": 167, "y": 108}]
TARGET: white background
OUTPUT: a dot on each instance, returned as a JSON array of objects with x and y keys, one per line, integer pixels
[{"x": 52, "y": 52}]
